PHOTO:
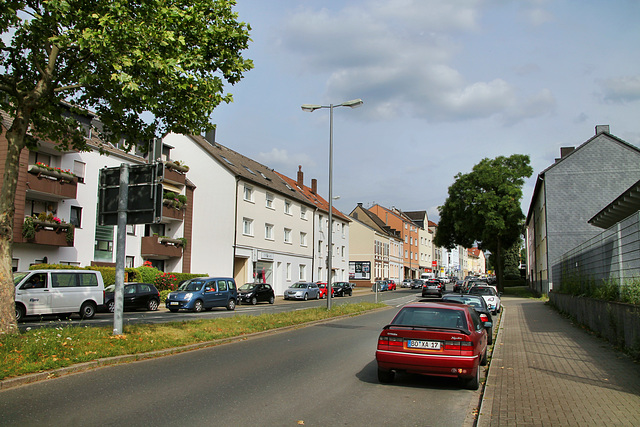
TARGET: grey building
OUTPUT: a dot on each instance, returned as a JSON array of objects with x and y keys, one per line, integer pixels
[{"x": 570, "y": 192}]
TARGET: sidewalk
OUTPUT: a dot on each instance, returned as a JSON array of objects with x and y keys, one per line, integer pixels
[{"x": 547, "y": 371}]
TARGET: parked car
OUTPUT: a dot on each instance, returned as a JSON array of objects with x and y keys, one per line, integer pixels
[
  {"x": 490, "y": 296},
  {"x": 39, "y": 292},
  {"x": 342, "y": 289},
  {"x": 457, "y": 287},
  {"x": 303, "y": 291},
  {"x": 323, "y": 290},
  {"x": 442, "y": 339},
  {"x": 253, "y": 293},
  {"x": 480, "y": 306},
  {"x": 204, "y": 293},
  {"x": 391, "y": 285},
  {"x": 381, "y": 285},
  {"x": 406, "y": 283},
  {"x": 417, "y": 283},
  {"x": 136, "y": 295},
  {"x": 432, "y": 288}
]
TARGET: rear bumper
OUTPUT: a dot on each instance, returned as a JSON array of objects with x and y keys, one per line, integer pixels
[{"x": 428, "y": 364}]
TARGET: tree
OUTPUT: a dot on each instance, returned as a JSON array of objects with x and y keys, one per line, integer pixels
[
  {"x": 483, "y": 207},
  {"x": 144, "y": 67}
]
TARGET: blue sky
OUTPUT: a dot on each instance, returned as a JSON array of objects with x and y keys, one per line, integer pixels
[{"x": 444, "y": 84}]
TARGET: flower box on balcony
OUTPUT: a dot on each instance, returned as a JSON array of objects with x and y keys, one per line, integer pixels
[{"x": 58, "y": 174}]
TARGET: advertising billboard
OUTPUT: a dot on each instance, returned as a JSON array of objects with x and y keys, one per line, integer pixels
[{"x": 359, "y": 270}]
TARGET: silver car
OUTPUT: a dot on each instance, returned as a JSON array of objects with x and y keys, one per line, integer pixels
[{"x": 303, "y": 291}]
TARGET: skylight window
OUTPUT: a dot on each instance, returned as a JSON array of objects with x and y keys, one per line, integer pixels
[{"x": 227, "y": 160}]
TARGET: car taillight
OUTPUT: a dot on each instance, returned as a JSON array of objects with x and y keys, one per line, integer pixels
[
  {"x": 385, "y": 342},
  {"x": 484, "y": 317},
  {"x": 466, "y": 348}
]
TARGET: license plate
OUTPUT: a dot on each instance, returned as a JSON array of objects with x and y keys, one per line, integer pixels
[
  {"x": 174, "y": 303},
  {"x": 429, "y": 345}
]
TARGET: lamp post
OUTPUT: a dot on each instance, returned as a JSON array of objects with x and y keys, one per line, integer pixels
[{"x": 310, "y": 108}]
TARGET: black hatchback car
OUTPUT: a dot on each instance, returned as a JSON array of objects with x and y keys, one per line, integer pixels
[
  {"x": 136, "y": 295},
  {"x": 342, "y": 289},
  {"x": 256, "y": 292}
]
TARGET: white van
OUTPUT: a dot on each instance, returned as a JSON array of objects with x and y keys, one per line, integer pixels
[
  {"x": 58, "y": 291},
  {"x": 427, "y": 276}
]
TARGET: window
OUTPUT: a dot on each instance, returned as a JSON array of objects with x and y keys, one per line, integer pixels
[
  {"x": 268, "y": 231},
  {"x": 287, "y": 235},
  {"x": 320, "y": 248},
  {"x": 303, "y": 272},
  {"x": 303, "y": 239},
  {"x": 269, "y": 201},
  {"x": 247, "y": 226},
  {"x": 287, "y": 207},
  {"x": 131, "y": 229},
  {"x": 128, "y": 262},
  {"x": 289, "y": 271},
  {"x": 75, "y": 216},
  {"x": 303, "y": 212},
  {"x": 78, "y": 170},
  {"x": 248, "y": 193}
]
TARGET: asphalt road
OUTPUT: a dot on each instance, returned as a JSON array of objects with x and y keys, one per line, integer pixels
[
  {"x": 163, "y": 315},
  {"x": 318, "y": 375}
]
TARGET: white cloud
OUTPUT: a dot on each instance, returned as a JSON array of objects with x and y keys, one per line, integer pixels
[{"x": 620, "y": 89}]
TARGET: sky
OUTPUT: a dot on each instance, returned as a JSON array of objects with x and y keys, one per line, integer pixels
[{"x": 444, "y": 85}]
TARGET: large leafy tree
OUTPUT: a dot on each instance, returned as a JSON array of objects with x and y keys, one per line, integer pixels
[
  {"x": 483, "y": 207},
  {"x": 145, "y": 67}
]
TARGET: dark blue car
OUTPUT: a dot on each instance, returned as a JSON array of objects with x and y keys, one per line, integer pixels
[{"x": 204, "y": 293}]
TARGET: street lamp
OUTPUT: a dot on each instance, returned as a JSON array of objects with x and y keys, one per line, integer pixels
[{"x": 310, "y": 108}]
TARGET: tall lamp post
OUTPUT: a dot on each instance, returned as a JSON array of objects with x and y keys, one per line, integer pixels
[{"x": 310, "y": 108}]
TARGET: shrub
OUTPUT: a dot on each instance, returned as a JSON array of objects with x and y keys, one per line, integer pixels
[
  {"x": 147, "y": 274},
  {"x": 166, "y": 281}
]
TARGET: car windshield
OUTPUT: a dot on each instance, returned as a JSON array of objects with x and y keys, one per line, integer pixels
[
  {"x": 482, "y": 291},
  {"x": 17, "y": 278},
  {"x": 473, "y": 302},
  {"x": 248, "y": 287},
  {"x": 191, "y": 285},
  {"x": 299, "y": 285},
  {"x": 431, "y": 317}
]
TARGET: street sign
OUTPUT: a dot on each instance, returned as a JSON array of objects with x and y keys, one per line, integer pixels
[{"x": 144, "y": 204}]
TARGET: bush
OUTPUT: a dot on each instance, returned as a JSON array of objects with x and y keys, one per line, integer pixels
[
  {"x": 146, "y": 274},
  {"x": 166, "y": 282}
]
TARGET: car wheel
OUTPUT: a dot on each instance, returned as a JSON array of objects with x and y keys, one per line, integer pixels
[
  {"x": 385, "y": 377},
  {"x": 111, "y": 306},
  {"x": 231, "y": 304},
  {"x": 490, "y": 336},
  {"x": 272, "y": 299},
  {"x": 88, "y": 310},
  {"x": 483, "y": 361},
  {"x": 318, "y": 295},
  {"x": 19, "y": 312},
  {"x": 306, "y": 297},
  {"x": 197, "y": 306},
  {"x": 152, "y": 305},
  {"x": 473, "y": 383},
  {"x": 254, "y": 301}
]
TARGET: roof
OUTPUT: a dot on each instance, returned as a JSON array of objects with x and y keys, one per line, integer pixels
[
  {"x": 541, "y": 175},
  {"x": 249, "y": 170},
  {"x": 318, "y": 201},
  {"x": 377, "y": 222},
  {"x": 625, "y": 205}
]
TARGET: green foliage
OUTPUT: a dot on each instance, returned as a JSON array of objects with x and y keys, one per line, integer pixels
[
  {"x": 28, "y": 228},
  {"x": 607, "y": 290},
  {"x": 146, "y": 274}
]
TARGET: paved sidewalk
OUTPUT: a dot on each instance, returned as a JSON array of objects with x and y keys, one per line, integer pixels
[{"x": 545, "y": 371}]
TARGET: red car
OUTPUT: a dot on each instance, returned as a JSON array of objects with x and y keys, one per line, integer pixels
[
  {"x": 391, "y": 285},
  {"x": 434, "y": 338},
  {"x": 323, "y": 290}
]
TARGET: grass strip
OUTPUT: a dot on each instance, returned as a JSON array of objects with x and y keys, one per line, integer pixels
[{"x": 51, "y": 348}]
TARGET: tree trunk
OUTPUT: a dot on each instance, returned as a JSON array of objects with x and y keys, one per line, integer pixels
[
  {"x": 15, "y": 143},
  {"x": 499, "y": 267}
]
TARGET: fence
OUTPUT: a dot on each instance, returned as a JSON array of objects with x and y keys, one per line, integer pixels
[{"x": 613, "y": 256}]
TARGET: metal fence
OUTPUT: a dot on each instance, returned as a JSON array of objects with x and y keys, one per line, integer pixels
[{"x": 611, "y": 256}]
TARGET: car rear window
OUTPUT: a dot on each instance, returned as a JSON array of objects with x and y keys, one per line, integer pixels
[
  {"x": 431, "y": 317},
  {"x": 482, "y": 291}
]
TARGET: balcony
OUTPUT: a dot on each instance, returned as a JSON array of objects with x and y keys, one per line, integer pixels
[
  {"x": 51, "y": 234},
  {"x": 154, "y": 247},
  {"x": 175, "y": 174},
  {"x": 171, "y": 213},
  {"x": 51, "y": 184}
]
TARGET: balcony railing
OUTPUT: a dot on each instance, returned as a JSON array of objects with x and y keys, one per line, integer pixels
[
  {"x": 52, "y": 234},
  {"x": 52, "y": 183},
  {"x": 172, "y": 213},
  {"x": 154, "y": 247}
]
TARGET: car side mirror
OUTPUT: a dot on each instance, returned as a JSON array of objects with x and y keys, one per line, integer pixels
[{"x": 488, "y": 324}]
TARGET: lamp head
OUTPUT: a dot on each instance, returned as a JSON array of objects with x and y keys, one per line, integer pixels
[
  {"x": 310, "y": 107},
  {"x": 353, "y": 103}
]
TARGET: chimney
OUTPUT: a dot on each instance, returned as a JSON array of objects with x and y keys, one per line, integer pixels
[
  {"x": 565, "y": 151},
  {"x": 360, "y": 204},
  {"x": 314, "y": 186},
  {"x": 602, "y": 129},
  {"x": 210, "y": 136},
  {"x": 300, "y": 176}
]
